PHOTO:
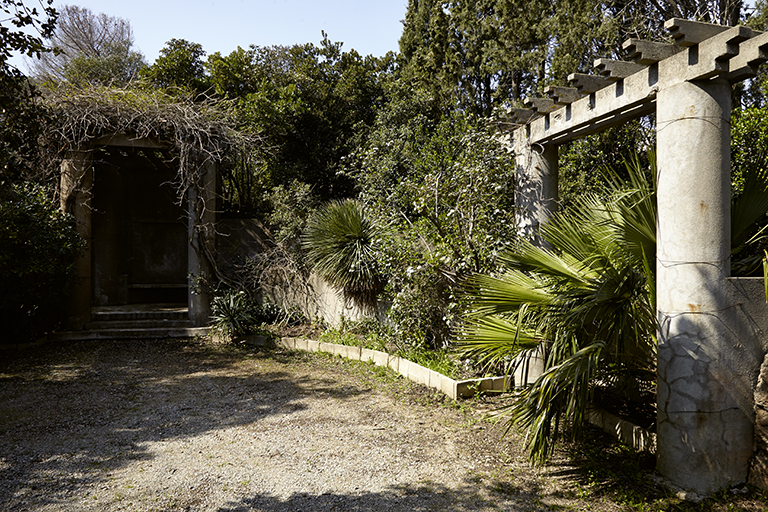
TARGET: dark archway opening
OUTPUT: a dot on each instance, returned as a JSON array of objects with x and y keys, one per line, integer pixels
[{"x": 140, "y": 236}]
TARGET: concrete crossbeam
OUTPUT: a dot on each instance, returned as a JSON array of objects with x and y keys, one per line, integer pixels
[
  {"x": 614, "y": 70},
  {"x": 752, "y": 53},
  {"x": 541, "y": 105},
  {"x": 690, "y": 33},
  {"x": 563, "y": 95},
  {"x": 587, "y": 84},
  {"x": 521, "y": 115},
  {"x": 648, "y": 52},
  {"x": 635, "y": 95}
]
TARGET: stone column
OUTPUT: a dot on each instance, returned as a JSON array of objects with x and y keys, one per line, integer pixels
[
  {"x": 202, "y": 207},
  {"x": 536, "y": 188},
  {"x": 75, "y": 199},
  {"x": 704, "y": 437}
]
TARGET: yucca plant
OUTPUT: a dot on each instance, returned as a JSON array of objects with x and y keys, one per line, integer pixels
[
  {"x": 340, "y": 242},
  {"x": 232, "y": 314},
  {"x": 587, "y": 304}
]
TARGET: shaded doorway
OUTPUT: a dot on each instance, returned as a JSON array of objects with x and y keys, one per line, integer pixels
[{"x": 140, "y": 244}]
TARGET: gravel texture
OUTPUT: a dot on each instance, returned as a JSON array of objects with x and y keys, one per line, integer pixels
[{"x": 174, "y": 425}]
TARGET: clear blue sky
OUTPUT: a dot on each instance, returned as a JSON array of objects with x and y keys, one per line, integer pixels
[{"x": 368, "y": 26}]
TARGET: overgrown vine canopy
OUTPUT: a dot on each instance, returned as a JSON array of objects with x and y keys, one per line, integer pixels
[{"x": 195, "y": 132}]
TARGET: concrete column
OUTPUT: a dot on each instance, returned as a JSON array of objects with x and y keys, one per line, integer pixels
[
  {"x": 536, "y": 188},
  {"x": 704, "y": 436},
  {"x": 76, "y": 199},
  {"x": 201, "y": 209}
]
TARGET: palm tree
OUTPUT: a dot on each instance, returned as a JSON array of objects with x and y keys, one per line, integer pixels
[{"x": 587, "y": 304}]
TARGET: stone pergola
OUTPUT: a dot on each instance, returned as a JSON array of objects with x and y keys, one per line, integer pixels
[
  {"x": 710, "y": 343},
  {"x": 101, "y": 201}
]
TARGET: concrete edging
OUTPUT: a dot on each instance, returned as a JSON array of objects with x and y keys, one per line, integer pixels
[
  {"x": 415, "y": 372},
  {"x": 626, "y": 432}
]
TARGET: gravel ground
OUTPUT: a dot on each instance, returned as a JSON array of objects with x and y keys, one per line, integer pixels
[{"x": 173, "y": 425}]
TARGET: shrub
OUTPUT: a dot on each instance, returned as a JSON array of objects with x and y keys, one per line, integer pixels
[{"x": 38, "y": 249}]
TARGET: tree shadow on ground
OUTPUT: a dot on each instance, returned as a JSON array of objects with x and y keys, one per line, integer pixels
[
  {"x": 86, "y": 409},
  {"x": 405, "y": 498},
  {"x": 604, "y": 469}
]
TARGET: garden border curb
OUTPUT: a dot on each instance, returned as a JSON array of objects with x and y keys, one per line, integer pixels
[{"x": 626, "y": 432}]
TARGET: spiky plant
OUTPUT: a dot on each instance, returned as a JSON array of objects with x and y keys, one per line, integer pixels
[
  {"x": 340, "y": 243},
  {"x": 587, "y": 303}
]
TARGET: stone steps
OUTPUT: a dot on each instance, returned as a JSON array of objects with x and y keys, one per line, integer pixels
[
  {"x": 135, "y": 321},
  {"x": 129, "y": 334}
]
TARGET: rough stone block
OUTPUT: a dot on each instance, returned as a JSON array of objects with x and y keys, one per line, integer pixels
[
  {"x": 468, "y": 388},
  {"x": 326, "y": 347},
  {"x": 348, "y": 352},
  {"x": 313, "y": 346}
]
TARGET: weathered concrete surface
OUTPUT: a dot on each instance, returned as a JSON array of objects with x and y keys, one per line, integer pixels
[
  {"x": 704, "y": 435},
  {"x": 536, "y": 188},
  {"x": 758, "y": 471},
  {"x": 201, "y": 211},
  {"x": 76, "y": 197}
]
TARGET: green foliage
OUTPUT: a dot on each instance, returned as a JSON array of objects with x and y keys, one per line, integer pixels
[
  {"x": 581, "y": 162},
  {"x": 292, "y": 206},
  {"x": 341, "y": 245},
  {"x": 311, "y": 103},
  {"x": 478, "y": 56},
  {"x": 180, "y": 64},
  {"x": 38, "y": 248},
  {"x": 445, "y": 189},
  {"x": 587, "y": 304},
  {"x": 117, "y": 64},
  {"x": 235, "y": 314},
  {"x": 23, "y": 115},
  {"x": 749, "y": 181},
  {"x": 22, "y": 30}
]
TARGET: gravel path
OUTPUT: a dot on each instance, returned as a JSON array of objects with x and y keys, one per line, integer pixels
[{"x": 170, "y": 425}]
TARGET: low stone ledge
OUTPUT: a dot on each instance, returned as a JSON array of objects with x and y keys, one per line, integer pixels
[
  {"x": 408, "y": 369},
  {"x": 640, "y": 439},
  {"x": 623, "y": 430}
]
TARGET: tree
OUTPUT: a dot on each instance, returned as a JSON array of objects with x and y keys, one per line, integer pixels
[
  {"x": 587, "y": 304},
  {"x": 23, "y": 115},
  {"x": 38, "y": 247},
  {"x": 341, "y": 243},
  {"x": 480, "y": 55},
  {"x": 93, "y": 49},
  {"x": 312, "y": 103},
  {"x": 180, "y": 64},
  {"x": 445, "y": 189}
]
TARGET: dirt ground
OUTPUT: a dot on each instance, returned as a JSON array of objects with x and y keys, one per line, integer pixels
[{"x": 173, "y": 425}]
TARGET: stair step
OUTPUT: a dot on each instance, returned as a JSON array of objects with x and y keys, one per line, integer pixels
[
  {"x": 128, "y": 334},
  {"x": 140, "y": 312},
  {"x": 160, "y": 323}
]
